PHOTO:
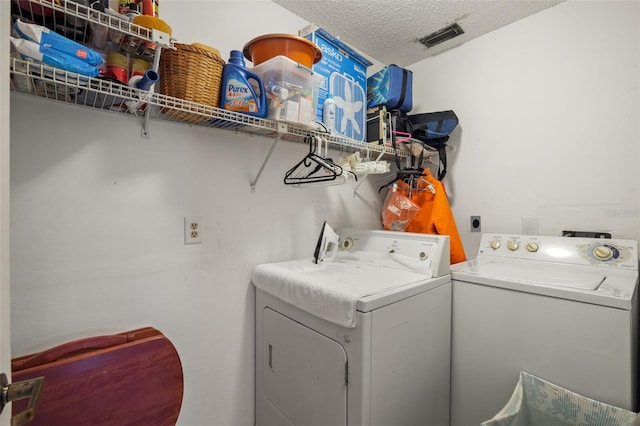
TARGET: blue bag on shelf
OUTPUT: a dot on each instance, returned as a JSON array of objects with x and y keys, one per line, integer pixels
[
  {"x": 48, "y": 41},
  {"x": 54, "y": 58},
  {"x": 433, "y": 125},
  {"x": 392, "y": 87}
]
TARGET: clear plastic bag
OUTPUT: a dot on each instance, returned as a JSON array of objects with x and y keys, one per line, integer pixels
[{"x": 398, "y": 210}]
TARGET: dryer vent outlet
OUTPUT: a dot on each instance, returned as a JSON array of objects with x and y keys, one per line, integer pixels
[{"x": 475, "y": 224}]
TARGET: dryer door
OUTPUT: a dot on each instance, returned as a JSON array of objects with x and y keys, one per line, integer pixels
[{"x": 303, "y": 372}]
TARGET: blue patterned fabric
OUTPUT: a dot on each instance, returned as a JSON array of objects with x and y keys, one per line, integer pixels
[{"x": 536, "y": 402}]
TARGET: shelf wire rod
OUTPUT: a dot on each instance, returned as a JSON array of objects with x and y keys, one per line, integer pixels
[
  {"x": 264, "y": 163},
  {"x": 145, "y": 125},
  {"x": 147, "y": 113}
]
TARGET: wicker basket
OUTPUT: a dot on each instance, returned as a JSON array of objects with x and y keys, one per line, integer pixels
[{"x": 193, "y": 74}]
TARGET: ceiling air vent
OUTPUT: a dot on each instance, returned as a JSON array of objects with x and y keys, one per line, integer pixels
[{"x": 443, "y": 34}]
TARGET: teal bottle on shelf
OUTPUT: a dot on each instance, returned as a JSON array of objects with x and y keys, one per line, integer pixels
[{"x": 242, "y": 90}]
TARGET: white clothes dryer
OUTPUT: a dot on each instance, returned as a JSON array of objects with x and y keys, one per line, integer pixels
[
  {"x": 364, "y": 340},
  {"x": 563, "y": 309}
]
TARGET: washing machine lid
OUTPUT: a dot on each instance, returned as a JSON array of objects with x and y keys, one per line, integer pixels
[
  {"x": 541, "y": 275},
  {"x": 607, "y": 287}
]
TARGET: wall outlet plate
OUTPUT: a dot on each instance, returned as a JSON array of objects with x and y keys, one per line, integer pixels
[
  {"x": 193, "y": 230},
  {"x": 475, "y": 224}
]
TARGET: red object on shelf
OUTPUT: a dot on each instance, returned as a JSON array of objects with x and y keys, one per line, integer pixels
[{"x": 147, "y": 7}]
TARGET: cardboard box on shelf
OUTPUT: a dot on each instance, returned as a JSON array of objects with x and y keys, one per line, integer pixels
[
  {"x": 377, "y": 125},
  {"x": 345, "y": 79}
]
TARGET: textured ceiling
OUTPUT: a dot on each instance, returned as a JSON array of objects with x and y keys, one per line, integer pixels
[{"x": 388, "y": 30}]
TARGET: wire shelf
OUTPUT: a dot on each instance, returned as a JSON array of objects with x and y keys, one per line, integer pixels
[
  {"x": 67, "y": 16},
  {"x": 74, "y": 20},
  {"x": 77, "y": 21},
  {"x": 44, "y": 81}
]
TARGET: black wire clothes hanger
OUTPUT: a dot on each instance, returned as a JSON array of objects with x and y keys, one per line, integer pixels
[
  {"x": 413, "y": 174},
  {"x": 314, "y": 168}
]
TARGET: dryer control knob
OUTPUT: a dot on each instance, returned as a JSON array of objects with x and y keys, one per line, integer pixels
[
  {"x": 494, "y": 244},
  {"x": 603, "y": 253},
  {"x": 346, "y": 244},
  {"x": 513, "y": 245},
  {"x": 532, "y": 247}
]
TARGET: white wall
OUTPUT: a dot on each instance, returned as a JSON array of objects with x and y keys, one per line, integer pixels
[
  {"x": 549, "y": 113},
  {"x": 97, "y": 224},
  {"x": 549, "y": 128}
]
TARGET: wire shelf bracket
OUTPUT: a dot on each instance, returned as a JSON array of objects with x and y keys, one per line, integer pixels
[{"x": 282, "y": 129}]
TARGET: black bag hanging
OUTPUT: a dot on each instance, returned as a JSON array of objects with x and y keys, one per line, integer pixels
[
  {"x": 433, "y": 129},
  {"x": 400, "y": 122},
  {"x": 441, "y": 146}
]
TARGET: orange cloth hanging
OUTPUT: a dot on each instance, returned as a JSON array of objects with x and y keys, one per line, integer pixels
[{"x": 435, "y": 215}]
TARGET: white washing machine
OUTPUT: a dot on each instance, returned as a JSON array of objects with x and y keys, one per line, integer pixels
[
  {"x": 563, "y": 309},
  {"x": 364, "y": 340}
]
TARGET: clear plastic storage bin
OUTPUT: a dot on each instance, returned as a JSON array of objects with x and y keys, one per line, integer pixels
[{"x": 292, "y": 90}]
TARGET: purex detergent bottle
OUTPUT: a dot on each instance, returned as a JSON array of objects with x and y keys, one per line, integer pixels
[{"x": 242, "y": 90}]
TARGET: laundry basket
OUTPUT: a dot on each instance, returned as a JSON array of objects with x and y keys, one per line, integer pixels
[
  {"x": 536, "y": 402},
  {"x": 194, "y": 73}
]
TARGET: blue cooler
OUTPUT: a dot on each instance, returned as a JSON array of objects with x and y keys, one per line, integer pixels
[{"x": 392, "y": 87}]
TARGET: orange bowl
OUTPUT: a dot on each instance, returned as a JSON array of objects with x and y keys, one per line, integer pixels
[{"x": 296, "y": 48}]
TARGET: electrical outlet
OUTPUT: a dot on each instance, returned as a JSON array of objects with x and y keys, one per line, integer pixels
[
  {"x": 475, "y": 224},
  {"x": 192, "y": 230}
]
